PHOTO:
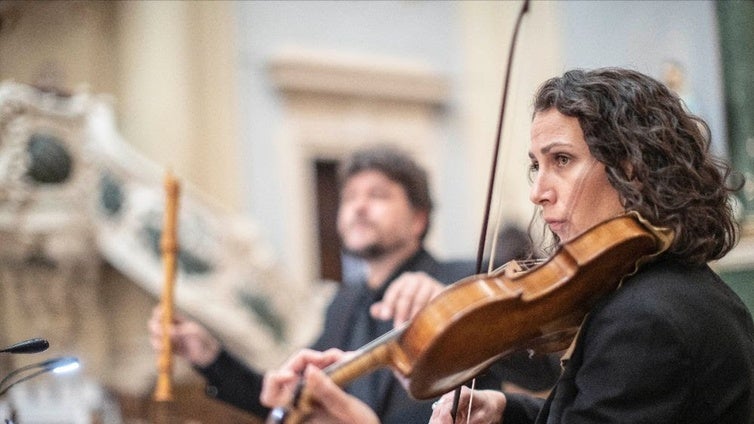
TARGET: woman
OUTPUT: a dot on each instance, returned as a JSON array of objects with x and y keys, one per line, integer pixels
[{"x": 673, "y": 344}]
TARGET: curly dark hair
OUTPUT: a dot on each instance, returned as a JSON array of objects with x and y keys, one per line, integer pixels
[
  {"x": 397, "y": 165},
  {"x": 656, "y": 154}
]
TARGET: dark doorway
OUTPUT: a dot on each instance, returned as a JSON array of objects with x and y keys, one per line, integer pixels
[{"x": 330, "y": 266}]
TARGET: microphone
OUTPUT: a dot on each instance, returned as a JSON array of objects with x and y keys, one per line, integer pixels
[
  {"x": 56, "y": 365},
  {"x": 27, "y": 346}
]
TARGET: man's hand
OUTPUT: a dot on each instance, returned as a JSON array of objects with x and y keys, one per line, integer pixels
[
  {"x": 189, "y": 339},
  {"x": 405, "y": 297}
]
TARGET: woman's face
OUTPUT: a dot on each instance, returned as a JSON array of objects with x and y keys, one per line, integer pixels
[{"x": 569, "y": 184}]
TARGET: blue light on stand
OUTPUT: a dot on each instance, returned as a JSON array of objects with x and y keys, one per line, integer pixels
[
  {"x": 56, "y": 365},
  {"x": 67, "y": 367}
]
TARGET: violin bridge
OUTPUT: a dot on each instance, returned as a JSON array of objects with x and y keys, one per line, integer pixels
[{"x": 512, "y": 268}]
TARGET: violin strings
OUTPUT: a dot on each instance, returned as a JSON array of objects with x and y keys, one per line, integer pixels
[{"x": 528, "y": 264}]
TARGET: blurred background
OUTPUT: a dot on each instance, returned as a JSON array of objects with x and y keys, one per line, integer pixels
[{"x": 251, "y": 105}]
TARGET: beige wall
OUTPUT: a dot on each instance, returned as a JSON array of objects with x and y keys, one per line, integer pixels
[
  {"x": 67, "y": 44},
  {"x": 488, "y": 31},
  {"x": 168, "y": 66},
  {"x": 177, "y": 91}
]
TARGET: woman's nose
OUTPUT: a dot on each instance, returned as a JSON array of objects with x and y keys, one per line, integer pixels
[{"x": 540, "y": 191}]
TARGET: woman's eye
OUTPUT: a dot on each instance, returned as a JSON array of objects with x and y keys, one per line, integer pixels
[
  {"x": 562, "y": 160},
  {"x": 533, "y": 169}
]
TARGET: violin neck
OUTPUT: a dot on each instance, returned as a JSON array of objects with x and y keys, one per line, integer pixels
[{"x": 382, "y": 351}]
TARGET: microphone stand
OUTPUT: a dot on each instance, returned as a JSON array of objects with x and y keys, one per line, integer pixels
[
  {"x": 35, "y": 345},
  {"x": 56, "y": 365}
]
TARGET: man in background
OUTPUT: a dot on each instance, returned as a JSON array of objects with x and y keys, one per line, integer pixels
[{"x": 383, "y": 218}]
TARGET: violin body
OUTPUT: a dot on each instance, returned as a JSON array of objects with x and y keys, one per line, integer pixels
[{"x": 482, "y": 318}]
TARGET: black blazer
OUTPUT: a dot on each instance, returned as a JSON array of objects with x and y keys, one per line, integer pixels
[
  {"x": 230, "y": 380},
  {"x": 388, "y": 398},
  {"x": 674, "y": 344}
]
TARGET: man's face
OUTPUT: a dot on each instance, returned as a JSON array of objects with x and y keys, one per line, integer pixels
[{"x": 375, "y": 216}]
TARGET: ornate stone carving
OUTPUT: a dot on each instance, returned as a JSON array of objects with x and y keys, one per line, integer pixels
[{"x": 76, "y": 199}]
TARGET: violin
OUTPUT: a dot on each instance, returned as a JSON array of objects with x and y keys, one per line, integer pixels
[{"x": 480, "y": 319}]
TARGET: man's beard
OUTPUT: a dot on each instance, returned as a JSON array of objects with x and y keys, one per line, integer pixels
[{"x": 372, "y": 251}]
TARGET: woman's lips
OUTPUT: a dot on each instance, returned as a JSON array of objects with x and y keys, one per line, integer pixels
[{"x": 556, "y": 226}]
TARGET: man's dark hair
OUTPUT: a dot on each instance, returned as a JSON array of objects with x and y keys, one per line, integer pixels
[
  {"x": 656, "y": 154},
  {"x": 397, "y": 165}
]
